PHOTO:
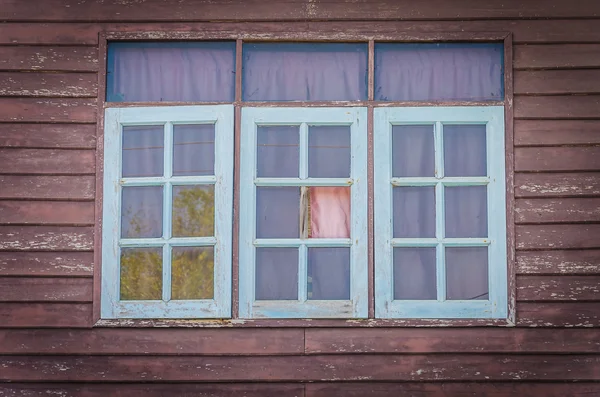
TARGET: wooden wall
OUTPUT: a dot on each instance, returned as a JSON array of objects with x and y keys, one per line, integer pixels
[{"x": 48, "y": 113}]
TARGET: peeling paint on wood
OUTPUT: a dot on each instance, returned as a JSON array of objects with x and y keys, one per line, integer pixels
[
  {"x": 565, "y": 210},
  {"x": 50, "y": 187},
  {"x": 72, "y": 136},
  {"x": 559, "y": 262},
  {"x": 69, "y": 59},
  {"x": 65, "y": 85},
  {"x": 45, "y": 238},
  {"x": 46, "y": 263},
  {"x": 564, "y": 288},
  {"x": 47, "y": 161},
  {"x": 557, "y": 236},
  {"x": 45, "y": 289},
  {"x": 47, "y": 110},
  {"x": 557, "y": 185},
  {"x": 560, "y": 314}
]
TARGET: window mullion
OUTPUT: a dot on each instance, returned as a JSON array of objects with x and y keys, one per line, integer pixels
[
  {"x": 303, "y": 151},
  {"x": 302, "y": 273},
  {"x": 167, "y": 211},
  {"x": 440, "y": 250}
]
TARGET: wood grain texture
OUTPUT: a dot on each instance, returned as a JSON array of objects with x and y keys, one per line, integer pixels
[
  {"x": 41, "y": 110},
  {"x": 53, "y": 85},
  {"x": 70, "y": 136},
  {"x": 78, "y": 213},
  {"x": 557, "y": 132},
  {"x": 556, "y": 82},
  {"x": 47, "y": 161},
  {"x": 559, "y": 314},
  {"x": 45, "y": 289},
  {"x": 561, "y": 210},
  {"x": 45, "y": 315},
  {"x": 56, "y": 59},
  {"x": 557, "y": 185},
  {"x": 557, "y": 107},
  {"x": 557, "y": 158},
  {"x": 559, "y": 262},
  {"x": 46, "y": 238},
  {"x": 34, "y": 264},
  {"x": 558, "y": 236},
  {"x": 558, "y": 56},
  {"x": 563, "y": 288},
  {"x": 107, "y": 341},
  {"x": 47, "y": 187}
]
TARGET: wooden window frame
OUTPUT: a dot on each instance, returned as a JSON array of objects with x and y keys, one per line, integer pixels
[{"x": 236, "y": 34}]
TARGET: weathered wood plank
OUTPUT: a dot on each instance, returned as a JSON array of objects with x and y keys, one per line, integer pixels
[
  {"x": 557, "y": 236},
  {"x": 557, "y": 158},
  {"x": 556, "y": 132},
  {"x": 46, "y": 238},
  {"x": 49, "y": 187},
  {"x": 557, "y": 185},
  {"x": 45, "y": 315},
  {"x": 76, "y": 213},
  {"x": 48, "y": 110},
  {"x": 57, "y": 59},
  {"x": 45, "y": 289},
  {"x": 47, "y": 161},
  {"x": 556, "y": 82},
  {"x": 48, "y": 135},
  {"x": 456, "y": 340},
  {"x": 557, "y": 107},
  {"x": 46, "y": 263},
  {"x": 365, "y": 367},
  {"x": 563, "y": 288},
  {"x": 558, "y": 56},
  {"x": 561, "y": 210},
  {"x": 558, "y": 262},
  {"x": 63, "y": 85},
  {"x": 107, "y": 341},
  {"x": 559, "y": 314}
]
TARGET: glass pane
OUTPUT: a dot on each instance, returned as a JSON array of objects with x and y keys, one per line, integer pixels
[
  {"x": 143, "y": 150},
  {"x": 466, "y": 211},
  {"x": 460, "y": 140},
  {"x": 193, "y": 211},
  {"x": 141, "y": 274},
  {"x": 329, "y": 212},
  {"x": 192, "y": 273},
  {"x": 171, "y": 71},
  {"x": 193, "y": 149},
  {"x": 467, "y": 273},
  {"x": 414, "y": 274},
  {"x": 441, "y": 71},
  {"x": 278, "y": 151},
  {"x": 413, "y": 150},
  {"x": 329, "y": 273},
  {"x": 329, "y": 151},
  {"x": 304, "y": 72},
  {"x": 414, "y": 211},
  {"x": 142, "y": 211},
  {"x": 276, "y": 273},
  {"x": 277, "y": 212}
]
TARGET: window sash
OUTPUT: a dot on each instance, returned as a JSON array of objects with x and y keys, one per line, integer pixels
[
  {"x": 115, "y": 118},
  {"x": 385, "y": 305}
]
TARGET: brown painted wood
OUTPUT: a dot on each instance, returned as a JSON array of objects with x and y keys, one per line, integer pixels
[
  {"x": 473, "y": 340},
  {"x": 45, "y": 289},
  {"x": 68, "y": 59},
  {"x": 559, "y": 262},
  {"x": 557, "y": 107},
  {"x": 560, "y": 210},
  {"x": 65, "y": 85},
  {"x": 46, "y": 212},
  {"x": 49, "y": 187},
  {"x": 45, "y": 315},
  {"x": 107, "y": 341},
  {"x": 560, "y": 314},
  {"x": 78, "y": 136},
  {"x": 557, "y": 158},
  {"x": 563, "y": 288},
  {"x": 559, "y": 56},
  {"x": 47, "y": 110},
  {"x": 46, "y": 264},
  {"x": 556, "y": 132},
  {"x": 557, "y": 185},
  {"x": 558, "y": 236},
  {"x": 46, "y": 238},
  {"x": 46, "y": 161},
  {"x": 556, "y": 82}
]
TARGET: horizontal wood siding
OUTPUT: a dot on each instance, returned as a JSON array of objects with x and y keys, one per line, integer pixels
[{"x": 48, "y": 113}]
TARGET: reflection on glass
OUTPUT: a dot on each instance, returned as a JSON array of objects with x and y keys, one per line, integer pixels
[
  {"x": 329, "y": 152},
  {"x": 193, "y": 211},
  {"x": 143, "y": 149},
  {"x": 414, "y": 274},
  {"x": 464, "y": 150},
  {"x": 277, "y": 212},
  {"x": 141, "y": 211},
  {"x": 412, "y": 150},
  {"x": 467, "y": 273},
  {"x": 276, "y": 274},
  {"x": 414, "y": 211},
  {"x": 192, "y": 273},
  {"x": 329, "y": 211},
  {"x": 329, "y": 273},
  {"x": 278, "y": 151},
  {"x": 466, "y": 211},
  {"x": 141, "y": 274},
  {"x": 193, "y": 149}
]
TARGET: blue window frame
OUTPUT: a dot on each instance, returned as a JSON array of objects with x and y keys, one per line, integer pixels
[
  {"x": 167, "y": 212},
  {"x": 440, "y": 212},
  {"x": 288, "y": 268}
]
